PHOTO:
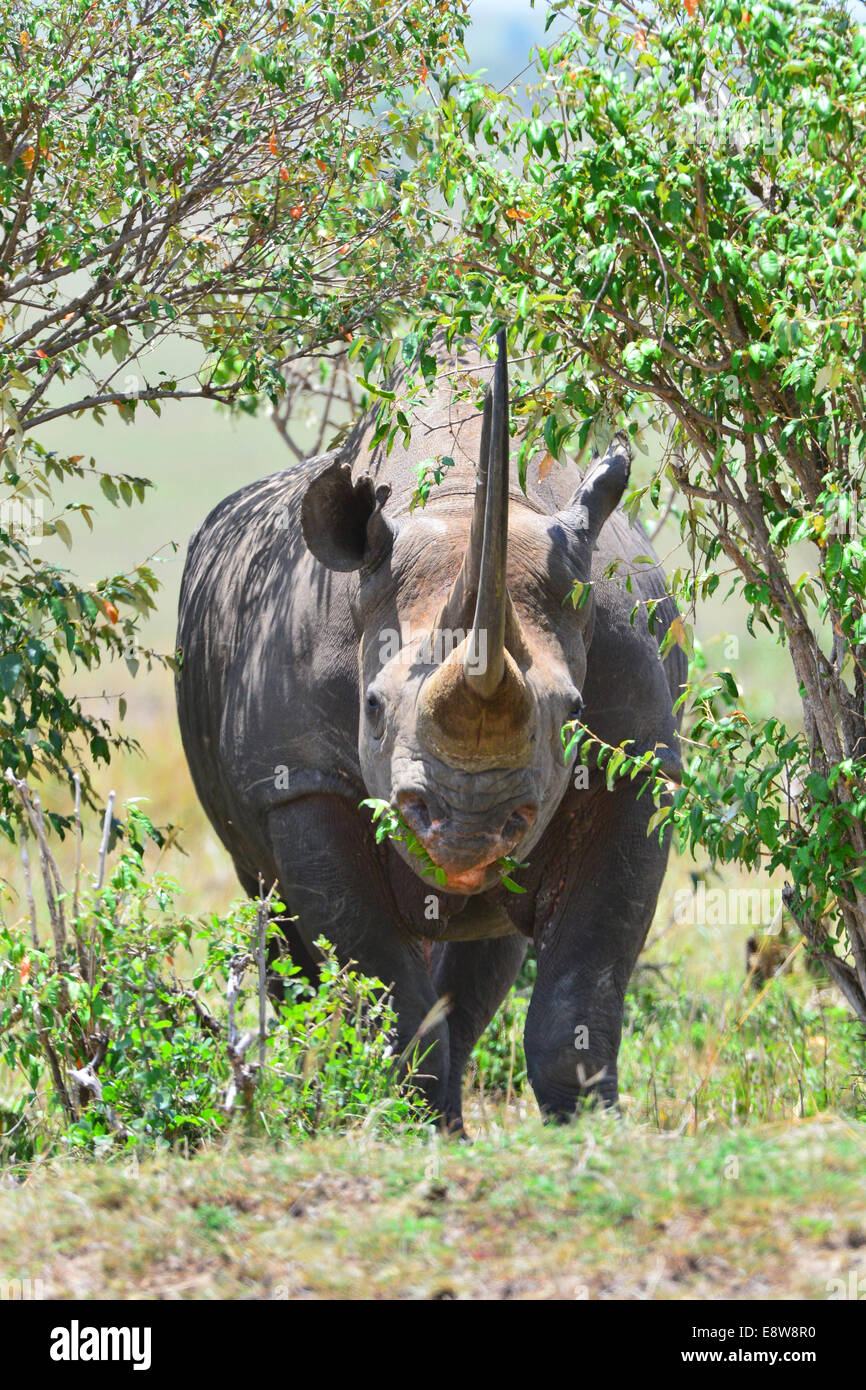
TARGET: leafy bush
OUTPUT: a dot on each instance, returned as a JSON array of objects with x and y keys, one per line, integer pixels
[
  {"x": 330, "y": 1060},
  {"x": 115, "y": 1035}
]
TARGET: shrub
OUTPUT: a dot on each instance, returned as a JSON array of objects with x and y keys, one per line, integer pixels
[{"x": 113, "y": 1034}]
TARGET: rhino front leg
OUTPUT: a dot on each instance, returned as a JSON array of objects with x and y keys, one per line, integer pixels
[
  {"x": 476, "y": 976},
  {"x": 587, "y": 947},
  {"x": 333, "y": 882}
]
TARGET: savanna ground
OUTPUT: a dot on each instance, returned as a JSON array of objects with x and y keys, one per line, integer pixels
[
  {"x": 736, "y": 1170},
  {"x": 616, "y": 1211}
]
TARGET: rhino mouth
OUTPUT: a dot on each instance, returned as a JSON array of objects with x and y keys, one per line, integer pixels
[
  {"x": 470, "y": 880},
  {"x": 466, "y": 855}
]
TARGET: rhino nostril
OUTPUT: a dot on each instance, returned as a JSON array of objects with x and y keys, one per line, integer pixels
[
  {"x": 519, "y": 821},
  {"x": 416, "y": 813}
]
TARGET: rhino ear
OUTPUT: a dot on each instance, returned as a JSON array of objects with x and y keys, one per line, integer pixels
[
  {"x": 601, "y": 489},
  {"x": 342, "y": 521}
]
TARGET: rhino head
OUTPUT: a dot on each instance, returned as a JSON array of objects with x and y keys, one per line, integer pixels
[{"x": 471, "y": 660}]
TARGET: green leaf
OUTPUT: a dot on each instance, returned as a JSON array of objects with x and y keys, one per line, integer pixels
[
  {"x": 120, "y": 344},
  {"x": 10, "y": 669},
  {"x": 770, "y": 267},
  {"x": 536, "y": 134},
  {"x": 63, "y": 531},
  {"x": 511, "y": 885},
  {"x": 333, "y": 82},
  {"x": 659, "y": 819}
]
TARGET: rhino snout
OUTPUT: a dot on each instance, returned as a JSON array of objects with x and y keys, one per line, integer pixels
[{"x": 466, "y": 847}]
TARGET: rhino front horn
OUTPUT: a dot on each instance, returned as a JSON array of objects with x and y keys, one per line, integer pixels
[
  {"x": 476, "y": 710},
  {"x": 484, "y": 677},
  {"x": 470, "y": 730}
]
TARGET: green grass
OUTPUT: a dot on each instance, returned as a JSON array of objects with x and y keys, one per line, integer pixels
[{"x": 600, "y": 1210}]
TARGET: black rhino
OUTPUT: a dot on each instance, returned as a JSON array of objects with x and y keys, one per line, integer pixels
[{"x": 338, "y": 645}]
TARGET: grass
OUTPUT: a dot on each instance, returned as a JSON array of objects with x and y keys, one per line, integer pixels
[{"x": 606, "y": 1210}]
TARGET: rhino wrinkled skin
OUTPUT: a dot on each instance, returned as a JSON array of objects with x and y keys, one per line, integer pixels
[{"x": 337, "y": 645}]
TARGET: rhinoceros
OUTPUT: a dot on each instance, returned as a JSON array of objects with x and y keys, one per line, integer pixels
[{"x": 340, "y": 643}]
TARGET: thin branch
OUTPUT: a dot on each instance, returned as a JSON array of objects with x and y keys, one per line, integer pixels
[{"x": 103, "y": 848}]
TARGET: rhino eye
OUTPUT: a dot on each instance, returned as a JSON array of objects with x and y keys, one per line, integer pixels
[
  {"x": 372, "y": 706},
  {"x": 576, "y": 711}
]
